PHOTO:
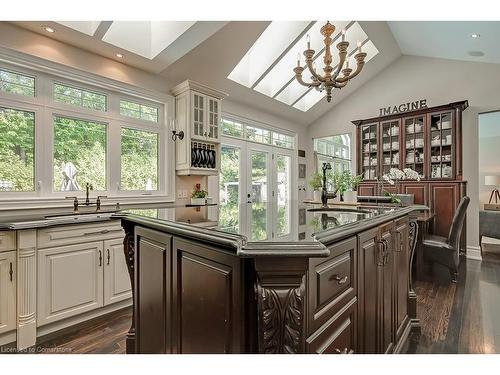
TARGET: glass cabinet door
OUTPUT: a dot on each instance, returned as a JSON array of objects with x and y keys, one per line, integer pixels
[
  {"x": 414, "y": 156},
  {"x": 198, "y": 115},
  {"x": 441, "y": 145},
  {"x": 369, "y": 151},
  {"x": 390, "y": 145},
  {"x": 213, "y": 117}
]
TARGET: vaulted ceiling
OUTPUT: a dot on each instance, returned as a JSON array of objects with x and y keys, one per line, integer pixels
[{"x": 255, "y": 66}]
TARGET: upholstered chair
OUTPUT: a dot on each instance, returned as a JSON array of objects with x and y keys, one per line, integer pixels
[{"x": 444, "y": 250}]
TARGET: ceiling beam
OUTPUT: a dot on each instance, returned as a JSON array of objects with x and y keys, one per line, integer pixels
[{"x": 102, "y": 29}]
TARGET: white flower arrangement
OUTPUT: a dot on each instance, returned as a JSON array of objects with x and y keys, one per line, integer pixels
[{"x": 396, "y": 174}]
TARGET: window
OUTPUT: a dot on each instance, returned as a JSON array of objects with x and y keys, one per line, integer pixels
[
  {"x": 17, "y": 83},
  {"x": 79, "y": 154},
  {"x": 258, "y": 135},
  {"x": 50, "y": 150},
  {"x": 79, "y": 97},
  {"x": 17, "y": 150},
  {"x": 336, "y": 150},
  {"x": 241, "y": 129},
  {"x": 139, "y": 160},
  {"x": 138, "y": 111},
  {"x": 232, "y": 128},
  {"x": 283, "y": 140}
]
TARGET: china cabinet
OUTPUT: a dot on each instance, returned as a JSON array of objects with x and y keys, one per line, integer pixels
[
  {"x": 198, "y": 115},
  {"x": 428, "y": 141}
]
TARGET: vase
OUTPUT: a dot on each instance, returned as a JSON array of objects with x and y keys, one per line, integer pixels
[
  {"x": 351, "y": 196},
  {"x": 406, "y": 199},
  {"x": 198, "y": 201}
]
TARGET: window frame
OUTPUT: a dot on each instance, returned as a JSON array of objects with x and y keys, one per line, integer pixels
[
  {"x": 139, "y": 120},
  {"x": 334, "y": 159},
  {"x": 259, "y": 125},
  {"x": 45, "y": 108}
]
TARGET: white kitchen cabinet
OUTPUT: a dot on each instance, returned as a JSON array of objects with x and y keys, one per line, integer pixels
[
  {"x": 7, "y": 291},
  {"x": 198, "y": 115},
  {"x": 70, "y": 281},
  {"x": 116, "y": 278}
]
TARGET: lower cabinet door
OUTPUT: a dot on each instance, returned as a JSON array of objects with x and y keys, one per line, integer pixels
[
  {"x": 116, "y": 278},
  {"x": 7, "y": 291},
  {"x": 70, "y": 281},
  {"x": 338, "y": 335}
]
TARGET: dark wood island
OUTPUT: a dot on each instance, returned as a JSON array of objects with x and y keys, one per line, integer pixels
[{"x": 346, "y": 289}]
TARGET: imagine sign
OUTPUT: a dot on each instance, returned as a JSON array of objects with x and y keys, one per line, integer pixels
[{"x": 404, "y": 107}]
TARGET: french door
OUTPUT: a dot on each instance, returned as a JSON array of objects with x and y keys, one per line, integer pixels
[{"x": 255, "y": 187}]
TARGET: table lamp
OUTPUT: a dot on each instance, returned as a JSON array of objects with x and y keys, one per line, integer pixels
[{"x": 493, "y": 181}]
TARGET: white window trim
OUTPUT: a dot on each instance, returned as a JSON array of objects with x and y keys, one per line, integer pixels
[{"x": 47, "y": 73}]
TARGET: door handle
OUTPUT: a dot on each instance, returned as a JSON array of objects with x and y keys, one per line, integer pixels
[
  {"x": 100, "y": 258},
  {"x": 108, "y": 257},
  {"x": 381, "y": 254},
  {"x": 11, "y": 272}
]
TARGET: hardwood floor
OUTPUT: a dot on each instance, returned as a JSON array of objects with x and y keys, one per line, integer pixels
[
  {"x": 105, "y": 335},
  {"x": 461, "y": 318},
  {"x": 456, "y": 318}
]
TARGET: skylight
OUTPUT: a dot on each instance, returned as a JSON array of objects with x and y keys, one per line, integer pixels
[
  {"x": 145, "y": 38},
  {"x": 268, "y": 66}
]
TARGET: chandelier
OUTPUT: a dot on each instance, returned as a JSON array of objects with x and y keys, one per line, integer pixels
[{"x": 330, "y": 79}]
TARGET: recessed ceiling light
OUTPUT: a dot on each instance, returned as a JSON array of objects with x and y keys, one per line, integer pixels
[
  {"x": 476, "y": 53},
  {"x": 119, "y": 55},
  {"x": 49, "y": 29},
  {"x": 474, "y": 36}
]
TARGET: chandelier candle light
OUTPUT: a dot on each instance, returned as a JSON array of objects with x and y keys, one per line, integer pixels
[{"x": 330, "y": 79}]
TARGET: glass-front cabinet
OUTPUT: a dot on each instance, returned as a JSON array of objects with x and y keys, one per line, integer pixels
[
  {"x": 390, "y": 145},
  {"x": 369, "y": 147},
  {"x": 197, "y": 115},
  {"x": 414, "y": 144},
  {"x": 441, "y": 142},
  {"x": 427, "y": 140}
]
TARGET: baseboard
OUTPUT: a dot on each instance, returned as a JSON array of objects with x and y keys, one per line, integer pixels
[{"x": 474, "y": 252}]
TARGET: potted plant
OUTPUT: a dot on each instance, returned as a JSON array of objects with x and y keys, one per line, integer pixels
[
  {"x": 198, "y": 197},
  {"x": 394, "y": 177},
  {"x": 316, "y": 183},
  {"x": 351, "y": 183}
]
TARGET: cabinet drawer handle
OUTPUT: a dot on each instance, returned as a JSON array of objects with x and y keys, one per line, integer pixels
[
  {"x": 381, "y": 252},
  {"x": 100, "y": 258},
  {"x": 104, "y": 231},
  {"x": 107, "y": 256},
  {"x": 341, "y": 280},
  {"x": 11, "y": 272}
]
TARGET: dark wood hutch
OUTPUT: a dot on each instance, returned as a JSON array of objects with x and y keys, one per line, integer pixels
[{"x": 429, "y": 141}]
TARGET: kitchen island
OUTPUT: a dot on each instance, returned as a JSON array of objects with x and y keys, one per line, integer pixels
[{"x": 344, "y": 287}]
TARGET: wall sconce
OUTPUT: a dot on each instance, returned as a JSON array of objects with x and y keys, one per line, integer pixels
[{"x": 175, "y": 135}]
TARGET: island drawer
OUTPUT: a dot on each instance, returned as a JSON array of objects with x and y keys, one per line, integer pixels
[
  {"x": 79, "y": 233},
  {"x": 332, "y": 282},
  {"x": 7, "y": 240},
  {"x": 338, "y": 335}
]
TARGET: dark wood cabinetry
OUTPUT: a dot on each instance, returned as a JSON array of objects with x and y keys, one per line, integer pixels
[
  {"x": 428, "y": 141},
  {"x": 192, "y": 296}
]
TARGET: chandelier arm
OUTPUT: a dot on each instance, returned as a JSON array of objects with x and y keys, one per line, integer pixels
[
  {"x": 313, "y": 72},
  {"x": 342, "y": 47},
  {"x": 298, "y": 77},
  {"x": 360, "y": 58}
]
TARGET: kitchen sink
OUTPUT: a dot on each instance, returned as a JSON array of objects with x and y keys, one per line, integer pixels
[{"x": 81, "y": 217}]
